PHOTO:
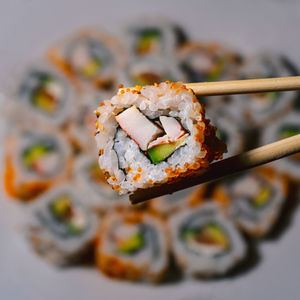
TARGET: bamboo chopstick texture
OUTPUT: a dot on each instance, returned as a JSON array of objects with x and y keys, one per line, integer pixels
[{"x": 225, "y": 167}]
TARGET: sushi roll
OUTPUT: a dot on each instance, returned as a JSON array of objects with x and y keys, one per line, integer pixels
[
  {"x": 61, "y": 227},
  {"x": 147, "y": 71},
  {"x": 208, "y": 62},
  {"x": 34, "y": 161},
  {"x": 257, "y": 109},
  {"x": 89, "y": 58},
  {"x": 152, "y": 36},
  {"x": 205, "y": 243},
  {"x": 44, "y": 96},
  {"x": 133, "y": 246},
  {"x": 153, "y": 135},
  {"x": 253, "y": 199},
  {"x": 285, "y": 127},
  {"x": 203, "y": 62},
  {"x": 91, "y": 180}
]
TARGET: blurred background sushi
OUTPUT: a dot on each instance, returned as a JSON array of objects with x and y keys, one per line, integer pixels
[{"x": 65, "y": 232}]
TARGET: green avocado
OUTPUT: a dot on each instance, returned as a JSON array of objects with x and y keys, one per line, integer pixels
[
  {"x": 262, "y": 197},
  {"x": 133, "y": 244},
  {"x": 31, "y": 154},
  {"x": 61, "y": 207},
  {"x": 161, "y": 152}
]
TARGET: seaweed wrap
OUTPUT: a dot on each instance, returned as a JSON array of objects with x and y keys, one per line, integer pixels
[
  {"x": 153, "y": 135},
  {"x": 133, "y": 245}
]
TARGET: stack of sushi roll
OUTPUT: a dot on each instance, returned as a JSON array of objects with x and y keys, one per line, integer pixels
[
  {"x": 285, "y": 127},
  {"x": 204, "y": 241},
  {"x": 153, "y": 135},
  {"x": 261, "y": 108},
  {"x": 44, "y": 96},
  {"x": 134, "y": 246},
  {"x": 61, "y": 226},
  {"x": 35, "y": 160},
  {"x": 253, "y": 199},
  {"x": 91, "y": 180}
]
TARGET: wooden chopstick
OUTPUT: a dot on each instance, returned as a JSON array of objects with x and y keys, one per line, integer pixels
[
  {"x": 225, "y": 167},
  {"x": 242, "y": 86}
]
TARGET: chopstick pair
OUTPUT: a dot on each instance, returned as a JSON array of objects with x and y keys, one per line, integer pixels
[{"x": 240, "y": 162}]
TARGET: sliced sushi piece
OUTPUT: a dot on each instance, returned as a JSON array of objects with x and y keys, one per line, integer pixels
[
  {"x": 208, "y": 62},
  {"x": 287, "y": 126},
  {"x": 152, "y": 36},
  {"x": 34, "y": 161},
  {"x": 205, "y": 243},
  {"x": 149, "y": 70},
  {"x": 43, "y": 95},
  {"x": 90, "y": 179},
  {"x": 133, "y": 245},
  {"x": 153, "y": 135},
  {"x": 89, "y": 57},
  {"x": 254, "y": 199},
  {"x": 257, "y": 109},
  {"x": 61, "y": 226}
]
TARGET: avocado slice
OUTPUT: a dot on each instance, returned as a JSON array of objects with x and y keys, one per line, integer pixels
[
  {"x": 33, "y": 153},
  {"x": 61, "y": 207},
  {"x": 133, "y": 244},
  {"x": 159, "y": 153},
  {"x": 216, "y": 236},
  {"x": 262, "y": 197}
]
